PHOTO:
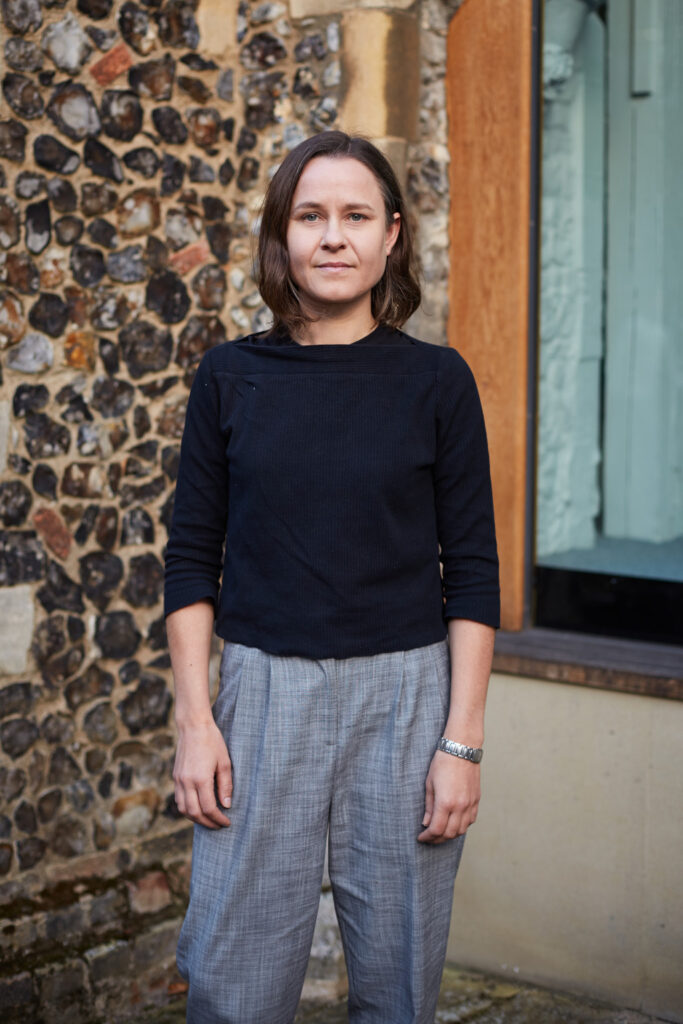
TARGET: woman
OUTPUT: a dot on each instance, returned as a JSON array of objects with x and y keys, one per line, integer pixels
[{"x": 332, "y": 456}]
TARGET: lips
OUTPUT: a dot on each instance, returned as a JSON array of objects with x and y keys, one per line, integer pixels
[{"x": 333, "y": 266}]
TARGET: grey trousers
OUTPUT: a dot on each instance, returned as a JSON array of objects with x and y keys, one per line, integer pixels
[{"x": 333, "y": 751}]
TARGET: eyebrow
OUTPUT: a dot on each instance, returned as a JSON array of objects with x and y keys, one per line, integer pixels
[{"x": 310, "y": 204}]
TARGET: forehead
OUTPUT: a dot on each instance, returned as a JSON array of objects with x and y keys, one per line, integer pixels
[{"x": 325, "y": 178}]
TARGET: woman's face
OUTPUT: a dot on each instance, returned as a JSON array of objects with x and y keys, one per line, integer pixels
[{"x": 337, "y": 238}]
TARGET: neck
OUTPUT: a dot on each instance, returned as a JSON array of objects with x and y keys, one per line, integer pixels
[{"x": 337, "y": 330}]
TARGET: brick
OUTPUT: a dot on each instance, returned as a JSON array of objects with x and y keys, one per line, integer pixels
[
  {"x": 18, "y": 992},
  {"x": 150, "y": 893},
  {"x": 156, "y": 946},
  {"x": 65, "y": 993},
  {"x": 185, "y": 260},
  {"x": 16, "y": 627},
  {"x": 112, "y": 960},
  {"x": 112, "y": 64},
  {"x": 51, "y": 528}
]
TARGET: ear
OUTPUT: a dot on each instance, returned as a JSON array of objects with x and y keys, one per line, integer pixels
[{"x": 392, "y": 234}]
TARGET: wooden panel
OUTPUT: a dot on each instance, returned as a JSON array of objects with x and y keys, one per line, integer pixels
[{"x": 489, "y": 109}]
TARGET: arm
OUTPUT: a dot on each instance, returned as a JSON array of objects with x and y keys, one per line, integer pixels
[
  {"x": 453, "y": 790},
  {"x": 202, "y": 759}
]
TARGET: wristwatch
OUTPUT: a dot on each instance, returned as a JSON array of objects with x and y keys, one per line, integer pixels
[{"x": 460, "y": 750}]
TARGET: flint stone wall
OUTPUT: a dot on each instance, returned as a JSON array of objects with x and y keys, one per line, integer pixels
[{"x": 136, "y": 140}]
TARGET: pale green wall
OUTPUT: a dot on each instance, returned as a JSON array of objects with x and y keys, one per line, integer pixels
[{"x": 573, "y": 874}]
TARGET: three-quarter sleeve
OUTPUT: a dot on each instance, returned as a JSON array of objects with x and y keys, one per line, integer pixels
[
  {"x": 464, "y": 502},
  {"x": 195, "y": 545}
]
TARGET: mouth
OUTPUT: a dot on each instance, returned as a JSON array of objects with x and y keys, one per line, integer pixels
[{"x": 333, "y": 266}]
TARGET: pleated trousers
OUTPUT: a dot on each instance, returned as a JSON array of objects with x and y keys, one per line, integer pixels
[{"x": 334, "y": 750}]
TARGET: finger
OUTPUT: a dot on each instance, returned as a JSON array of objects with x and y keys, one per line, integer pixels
[
  {"x": 437, "y": 824},
  {"x": 224, "y": 782},
  {"x": 429, "y": 802},
  {"x": 194, "y": 812},
  {"x": 208, "y": 806}
]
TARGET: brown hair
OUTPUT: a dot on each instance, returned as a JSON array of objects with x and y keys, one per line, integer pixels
[{"x": 395, "y": 296}]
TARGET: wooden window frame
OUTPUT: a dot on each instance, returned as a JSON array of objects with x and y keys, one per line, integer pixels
[{"x": 493, "y": 102}]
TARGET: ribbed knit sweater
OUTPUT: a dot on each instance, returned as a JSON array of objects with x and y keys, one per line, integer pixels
[{"x": 327, "y": 482}]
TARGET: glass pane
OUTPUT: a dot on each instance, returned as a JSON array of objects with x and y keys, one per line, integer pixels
[{"x": 610, "y": 441}]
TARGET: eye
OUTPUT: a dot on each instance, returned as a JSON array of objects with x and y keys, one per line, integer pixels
[
  {"x": 310, "y": 218},
  {"x": 357, "y": 217}
]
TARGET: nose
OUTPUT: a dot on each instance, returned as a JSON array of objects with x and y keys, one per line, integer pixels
[{"x": 333, "y": 236}]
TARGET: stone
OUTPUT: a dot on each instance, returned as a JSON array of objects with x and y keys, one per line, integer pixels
[
  {"x": 191, "y": 256},
  {"x": 18, "y": 464},
  {"x": 117, "y": 635},
  {"x": 309, "y": 48},
  {"x": 95, "y": 760},
  {"x": 143, "y": 160},
  {"x": 167, "y": 296},
  {"x": 148, "y": 706},
  {"x": 30, "y": 851},
  {"x": 109, "y": 354},
  {"x": 138, "y": 213},
  {"x": 16, "y": 699},
  {"x": 153, "y": 79},
  {"x": 225, "y": 85},
  {"x": 141, "y": 420},
  {"x": 15, "y": 502},
  {"x": 106, "y": 527},
  {"x": 53, "y": 268},
  {"x": 105, "y": 784},
  {"x": 145, "y": 581},
  {"x": 111, "y": 397},
  {"x": 33, "y": 354},
  {"x": 214, "y": 208},
  {"x": 22, "y": 558},
  {"x": 97, "y": 198},
  {"x": 60, "y": 591},
  {"x": 199, "y": 334},
  {"x": 262, "y": 51},
  {"x": 45, "y": 481},
  {"x": 49, "y": 314},
  {"x": 6, "y": 852},
  {"x": 103, "y": 38},
  {"x": 101, "y": 573},
  {"x": 79, "y": 350},
  {"x": 142, "y": 493},
  {"x": 195, "y": 88},
  {"x": 136, "y": 28},
  {"x": 145, "y": 348},
  {"x": 66, "y": 44},
  {"x": 69, "y": 838},
  {"x": 48, "y": 805},
  {"x": 62, "y": 195},
  {"x": 29, "y": 398},
  {"x": 38, "y": 226},
  {"x": 74, "y": 111},
  {"x": 22, "y": 55},
  {"x": 195, "y": 62},
  {"x": 57, "y": 728},
  {"x": 182, "y": 226},
  {"x": 28, "y": 185},
  {"x": 137, "y": 527},
  {"x": 228, "y": 128},
  {"x": 25, "y": 818},
  {"x": 12, "y": 322},
  {"x": 22, "y": 95},
  {"x": 219, "y": 237},
  {"x": 101, "y": 724},
  {"x": 200, "y": 171},
  {"x": 331, "y": 76},
  {"x": 172, "y": 176},
  {"x": 87, "y": 265},
  {"x": 80, "y": 793},
  {"x": 205, "y": 125},
  {"x": 22, "y": 273},
  {"x": 127, "y": 265},
  {"x": 266, "y": 12},
  {"x": 95, "y": 682},
  {"x": 172, "y": 420},
  {"x": 13, "y": 140},
  {"x": 12, "y": 783},
  {"x": 121, "y": 114},
  {"x": 324, "y": 114},
  {"x": 101, "y": 160},
  {"x": 247, "y": 140},
  {"x": 169, "y": 124},
  {"x": 103, "y": 233},
  {"x": 49, "y": 638},
  {"x": 110, "y": 310},
  {"x": 149, "y": 894},
  {"x": 108, "y": 68},
  {"x": 9, "y": 222},
  {"x": 63, "y": 768},
  {"x": 95, "y": 9},
  {"x": 262, "y": 91},
  {"x": 209, "y": 287},
  {"x": 306, "y": 83},
  {"x": 75, "y": 627},
  {"x": 17, "y": 735},
  {"x": 177, "y": 25},
  {"x": 51, "y": 528}
]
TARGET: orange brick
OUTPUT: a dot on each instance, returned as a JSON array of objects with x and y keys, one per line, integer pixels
[
  {"x": 190, "y": 257},
  {"x": 112, "y": 64},
  {"x": 79, "y": 350},
  {"x": 51, "y": 528}
]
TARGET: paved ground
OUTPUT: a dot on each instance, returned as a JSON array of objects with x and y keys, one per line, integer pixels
[{"x": 469, "y": 996}]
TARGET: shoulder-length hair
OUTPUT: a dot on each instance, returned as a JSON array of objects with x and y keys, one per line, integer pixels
[{"x": 395, "y": 296}]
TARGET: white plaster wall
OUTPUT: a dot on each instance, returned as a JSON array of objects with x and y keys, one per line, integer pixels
[{"x": 571, "y": 876}]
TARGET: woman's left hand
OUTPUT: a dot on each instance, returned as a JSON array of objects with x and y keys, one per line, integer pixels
[{"x": 452, "y": 794}]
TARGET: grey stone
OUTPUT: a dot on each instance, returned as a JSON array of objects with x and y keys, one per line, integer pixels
[
  {"x": 200, "y": 171},
  {"x": 145, "y": 348},
  {"x": 143, "y": 160},
  {"x": 172, "y": 176},
  {"x": 103, "y": 233},
  {"x": 199, "y": 334},
  {"x": 22, "y": 557},
  {"x": 38, "y": 226},
  {"x": 101, "y": 724},
  {"x": 136, "y": 28},
  {"x": 310, "y": 47},
  {"x": 177, "y": 25},
  {"x": 9, "y": 222},
  {"x": 57, "y": 728},
  {"x": 138, "y": 212},
  {"x": 167, "y": 296},
  {"x": 17, "y": 735},
  {"x": 214, "y": 208},
  {"x": 153, "y": 79},
  {"x": 247, "y": 140},
  {"x": 45, "y": 481},
  {"x": 62, "y": 195},
  {"x": 103, "y": 38},
  {"x": 182, "y": 227},
  {"x": 87, "y": 265},
  {"x": 21, "y": 16},
  {"x": 117, "y": 635},
  {"x": 110, "y": 310},
  {"x": 15, "y": 502},
  {"x": 73, "y": 110},
  {"x": 169, "y": 124},
  {"x": 101, "y": 573},
  {"x": 137, "y": 527},
  {"x": 66, "y": 44},
  {"x": 45, "y": 438},
  {"x": 262, "y": 51},
  {"x": 13, "y": 140},
  {"x": 198, "y": 63},
  {"x": 16, "y": 627},
  {"x": 33, "y": 354},
  {"x": 102, "y": 161},
  {"x": 22, "y": 55},
  {"x": 69, "y": 837},
  {"x": 209, "y": 286},
  {"x": 94, "y": 682},
  {"x": 261, "y": 92},
  {"x": 80, "y": 793},
  {"x": 16, "y": 699},
  {"x": 111, "y": 397},
  {"x": 48, "y": 805},
  {"x": 60, "y": 591},
  {"x": 97, "y": 198},
  {"x": 30, "y": 851},
  {"x": 265, "y": 12},
  {"x": 121, "y": 114},
  {"x": 145, "y": 581},
  {"x": 49, "y": 314},
  {"x": 63, "y": 768},
  {"x": 148, "y": 706},
  {"x": 128, "y": 265},
  {"x": 225, "y": 85},
  {"x": 28, "y": 185}
]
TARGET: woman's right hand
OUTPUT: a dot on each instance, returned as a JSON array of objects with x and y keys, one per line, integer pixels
[{"x": 202, "y": 768}]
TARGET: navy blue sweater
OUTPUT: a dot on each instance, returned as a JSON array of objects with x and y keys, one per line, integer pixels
[{"x": 335, "y": 477}]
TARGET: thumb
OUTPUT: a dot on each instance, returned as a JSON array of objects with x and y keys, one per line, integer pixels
[{"x": 429, "y": 802}]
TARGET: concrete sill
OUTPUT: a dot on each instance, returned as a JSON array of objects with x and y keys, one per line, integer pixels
[{"x": 628, "y": 666}]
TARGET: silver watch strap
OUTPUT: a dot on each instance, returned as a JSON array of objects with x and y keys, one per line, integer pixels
[{"x": 460, "y": 750}]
